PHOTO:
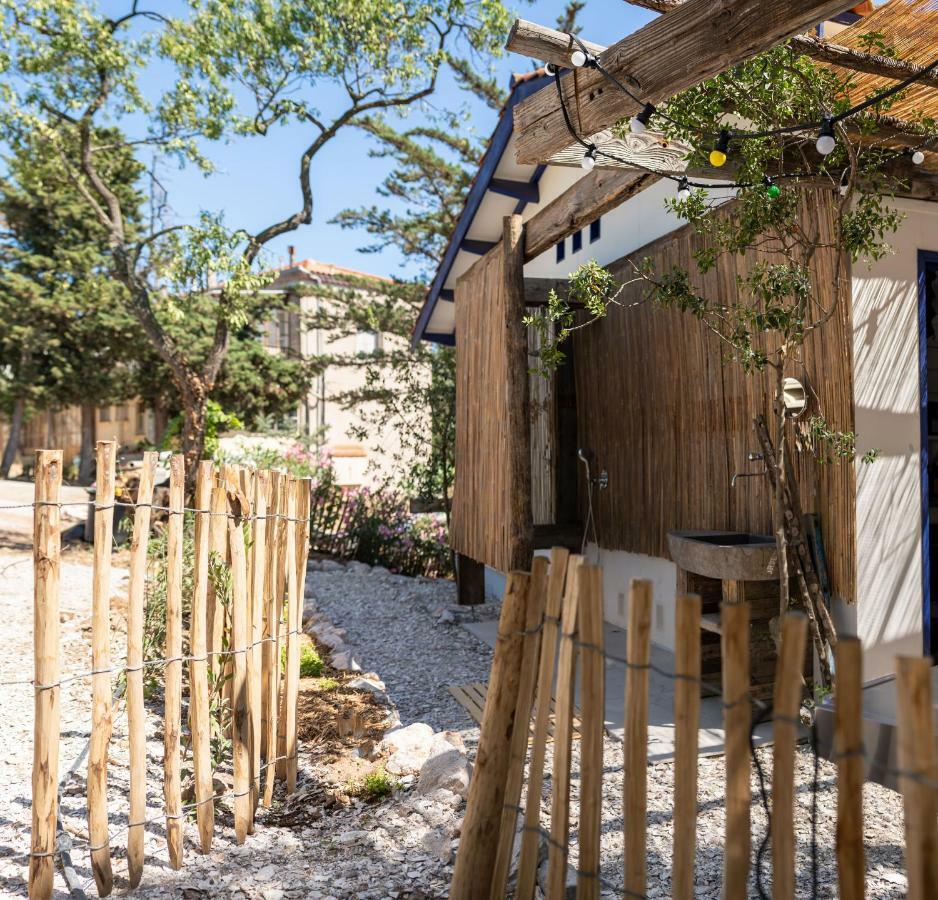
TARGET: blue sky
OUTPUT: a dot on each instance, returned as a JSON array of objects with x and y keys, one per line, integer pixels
[{"x": 256, "y": 179}]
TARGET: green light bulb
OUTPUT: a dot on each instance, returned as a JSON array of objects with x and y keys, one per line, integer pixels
[{"x": 774, "y": 191}]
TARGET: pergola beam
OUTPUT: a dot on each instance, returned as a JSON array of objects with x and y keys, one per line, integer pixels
[{"x": 693, "y": 42}]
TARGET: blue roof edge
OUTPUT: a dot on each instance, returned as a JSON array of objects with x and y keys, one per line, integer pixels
[{"x": 493, "y": 155}]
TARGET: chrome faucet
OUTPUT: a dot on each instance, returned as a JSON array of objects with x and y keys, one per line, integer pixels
[{"x": 751, "y": 457}]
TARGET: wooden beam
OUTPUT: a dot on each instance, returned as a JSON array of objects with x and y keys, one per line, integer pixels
[
  {"x": 676, "y": 51},
  {"x": 480, "y": 248},
  {"x": 661, "y": 6},
  {"x": 580, "y": 204},
  {"x": 537, "y": 289},
  {"x": 519, "y": 190},
  {"x": 546, "y": 44}
]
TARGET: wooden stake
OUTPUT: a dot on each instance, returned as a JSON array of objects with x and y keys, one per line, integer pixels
[
  {"x": 199, "y": 712},
  {"x": 46, "y": 551},
  {"x": 521, "y": 731},
  {"x": 106, "y": 453},
  {"x": 218, "y": 548},
  {"x": 172, "y": 704},
  {"x": 848, "y": 746},
  {"x": 291, "y": 689},
  {"x": 686, "y": 729},
  {"x": 475, "y": 862},
  {"x": 593, "y": 721},
  {"x": 787, "y": 700},
  {"x": 271, "y": 679},
  {"x": 241, "y": 722},
  {"x": 737, "y": 717},
  {"x": 919, "y": 773},
  {"x": 563, "y": 735},
  {"x": 258, "y": 603},
  {"x": 136, "y": 712},
  {"x": 286, "y": 488},
  {"x": 530, "y": 841},
  {"x": 638, "y": 654}
]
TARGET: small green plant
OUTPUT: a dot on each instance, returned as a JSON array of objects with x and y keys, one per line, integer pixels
[
  {"x": 373, "y": 786},
  {"x": 311, "y": 664},
  {"x": 325, "y": 684}
]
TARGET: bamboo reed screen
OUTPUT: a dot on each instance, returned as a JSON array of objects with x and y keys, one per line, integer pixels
[
  {"x": 671, "y": 420},
  {"x": 543, "y": 435}
]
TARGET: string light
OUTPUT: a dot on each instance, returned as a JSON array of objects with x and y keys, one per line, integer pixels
[
  {"x": 718, "y": 154},
  {"x": 578, "y": 59},
  {"x": 771, "y": 188},
  {"x": 640, "y": 122},
  {"x": 683, "y": 189},
  {"x": 826, "y": 142},
  {"x": 589, "y": 159},
  {"x": 918, "y": 157},
  {"x": 550, "y": 69},
  {"x": 844, "y": 183}
]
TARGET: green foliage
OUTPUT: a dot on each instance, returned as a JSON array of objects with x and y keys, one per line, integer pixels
[
  {"x": 832, "y": 446},
  {"x": 311, "y": 664},
  {"x": 374, "y": 786},
  {"x": 217, "y": 421}
]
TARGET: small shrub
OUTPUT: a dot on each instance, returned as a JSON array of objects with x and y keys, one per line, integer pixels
[
  {"x": 326, "y": 684},
  {"x": 373, "y": 786},
  {"x": 311, "y": 664}
]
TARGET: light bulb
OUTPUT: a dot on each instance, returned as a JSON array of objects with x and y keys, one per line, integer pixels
[
  {"x": 578, "y": 59},
  {"x": 550, "y": 69},
  {"x": 589, "y": 159},
  {"x": 719, "y": 153},
  {"x": 637, "y": 126},
  {"x": 640, "y": 121},
  {"x": 918, "y": 157},
  {"x": 826, "y": 142},
  {"x": 683, "y": 190},
  {"x": 844, "y": 187}
]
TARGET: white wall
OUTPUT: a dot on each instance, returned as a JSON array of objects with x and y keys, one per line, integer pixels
[{"x": 888, "y": 615}]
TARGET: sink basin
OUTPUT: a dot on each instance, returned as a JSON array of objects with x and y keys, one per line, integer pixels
[{"x": 726, "y": 555}]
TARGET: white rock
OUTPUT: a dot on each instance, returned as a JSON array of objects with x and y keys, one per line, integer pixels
[
  {"x": 349, "y": 837},
  {"x": 405, "y": 762},
  {"x": 358, "y": 568},
  {"x": 345, "y": 661},
  {"x": 417, "y": 737},
  {"x": 368, "y": 683},
  {"x": 446, "y": 766}
]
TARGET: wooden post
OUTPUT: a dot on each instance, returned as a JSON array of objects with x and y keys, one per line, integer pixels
[
  {"x": 136, "y": 712},
  {"x": 520, "y": 514},
  {"x": 787, "y": 700},
  {"x": 199, "y": 713},
  {"x": 218, "y": 547},
  {"x": 271, "y": 680},
  {"x": 241, "y": 722},
  {"x": 46, "y": 717},
  {"x": 737, "y": 717},
  {"x": 530, "y": 840},
  {"x": 291, "y": 688},
  {"x": 258, "y": 605},
  {"x": 593, "y": 721},
  {"x": 286, "y": 489},
  {"x": 522, "y": 730},
  {"x": 563, "y": 735},
  {"x": 106, "y": 452},
  {"x": 848, "y": 747},
  {"x": 470, "y": 580},
  {"x": 475, "y": 862},
  {"x": 686, "y": 729},
  {"x": 172, "y": 704},
  {"x": 919, "y": 773},
  {"x": 634, "y": 803}
]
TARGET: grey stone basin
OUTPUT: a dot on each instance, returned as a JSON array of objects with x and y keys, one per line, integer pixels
[{"x": 726, "y": 555}]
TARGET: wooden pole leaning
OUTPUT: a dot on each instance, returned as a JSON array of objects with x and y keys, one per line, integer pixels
[
  {"x": 521, "y": 732},
  {"x": 530, "y": 839},
  {"x": 635, "y": 781},
  {"x": 136, "y": 712},
  {"x": 47, "y": 671},
  {"x": 172, "y": 703},
  {"x": 291, "y": 688},
  {"x": 271, "y": 679},
  {"x": 848, "y": 749},
  {"x": 199, "y": 713},
  {"x": 686, "y": 732},
  {"x": 737, "y": 718},
  {"x": 475, "y": 862},
  {"x": 919, "y": 773},
  {"x": 258, "y": 604},
  {"x": 786, "y": 702},
  {"x": 241, "y": 723},
  {"x": 106, "y": 454},
  {"x": 593, "y": 722},
  {"x": 563, "y": 734},
  {"x": 218, "y": 549}
]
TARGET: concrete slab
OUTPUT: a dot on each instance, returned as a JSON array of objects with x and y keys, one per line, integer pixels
[{"x": 660, "y": 697}]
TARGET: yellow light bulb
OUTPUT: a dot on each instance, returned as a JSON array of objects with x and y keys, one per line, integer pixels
[{"x": 717, "y": 158}]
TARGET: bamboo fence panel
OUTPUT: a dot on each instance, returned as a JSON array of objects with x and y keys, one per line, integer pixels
[
  {"x": 256, "y": 656},
  {"x": 542, "y": 390},
  {"x": 46, "y": 641},
  {"x": 674, "y": 423},
  {"x": 218, "y": 551},
  {"x": 291, "y": 685},
  {"x": 282, "y": 628},
  {"x": 136, "y": 713},
  {"x": 172, "y": 703},
  {"x": 199, "y": 711},
  {"x": 106, "y": 454},
  {"x": 271, "y": 679}
]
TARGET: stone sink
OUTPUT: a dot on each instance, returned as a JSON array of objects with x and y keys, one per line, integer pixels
[{"x": 726, "y": 555}]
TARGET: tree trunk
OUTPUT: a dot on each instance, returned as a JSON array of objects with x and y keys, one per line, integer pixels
[
  {"x": 192, "y": 438},
  {"x": 86, "y": 464},
  {"x": 13, "y": 439}
]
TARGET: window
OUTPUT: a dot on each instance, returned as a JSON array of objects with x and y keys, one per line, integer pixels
[
  {"x": 577, "y": 242},
  {"x": 366, "y": 342},
  {"x": 561, "y": 251},
  {"x": 595, "y": 231},
  {"x": 123, "y": 413},
  {"x": 141, "y": 425},
  {"x": 105, "y": 413}
]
